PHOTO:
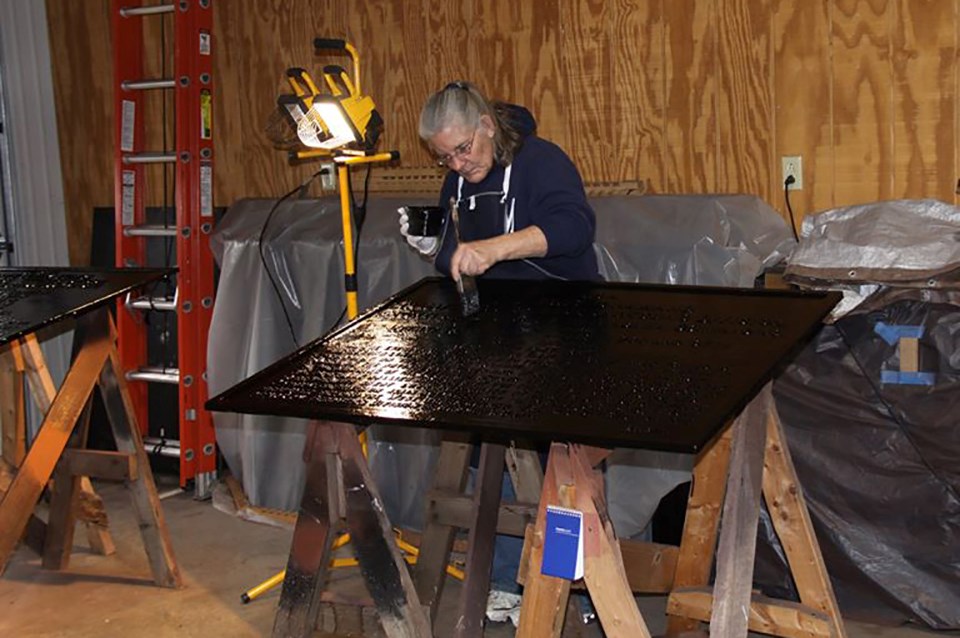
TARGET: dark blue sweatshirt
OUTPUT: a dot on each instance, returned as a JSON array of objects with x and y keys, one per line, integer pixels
[{"x": 546, "y": 191}]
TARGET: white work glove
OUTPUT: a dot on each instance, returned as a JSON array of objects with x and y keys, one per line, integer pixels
[{"x": 425, "y": 245}]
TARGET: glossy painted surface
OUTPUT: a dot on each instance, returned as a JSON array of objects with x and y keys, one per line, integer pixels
[
  {"x": 647, "y": 366},
  {"x": 31, "y": 298}
]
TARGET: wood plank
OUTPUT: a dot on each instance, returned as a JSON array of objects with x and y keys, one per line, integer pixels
[
  {"x": 767, "y": 616},
  {"x": 42, "y": 388},
  {"x": 697, "y": 545},
  {"x": 483, "y": 527},
  {"x": 736, "y": 549},
  {"x": 371, "y": 535},
  {"x": 37, "y": 467},
  {"x": 650, "y": 567},
  {"x": 791, "y": 520},
  {"x": 526, "y": 473},
  {"x": 309, "y": 559},
  {"x": 65, "y": 501},
  {"x": 58, "y": 543},
  {"x": 143, "y": 490},
  {"x": 454, "y": 511},
  {"x": 924, "y": 60},
  {"x": 545, "y": 597},
  {"x": 603, "y": 567},
  {"x": 101, "y": 464},
  {"x": 94, "y": 517},
  {"x": 450, "y": 476},
  {"x": 12, "y": 412}
]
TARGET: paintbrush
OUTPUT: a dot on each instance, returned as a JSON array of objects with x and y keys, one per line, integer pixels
[{"x": 466, "y": 285}]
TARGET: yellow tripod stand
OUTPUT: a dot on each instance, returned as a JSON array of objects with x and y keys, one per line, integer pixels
[{"x": 343, "y": 163}]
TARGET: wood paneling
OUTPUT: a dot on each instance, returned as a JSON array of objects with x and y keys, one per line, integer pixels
[
  {"x": 691, "y": 95},
  {"x": 803, "y": 104}
]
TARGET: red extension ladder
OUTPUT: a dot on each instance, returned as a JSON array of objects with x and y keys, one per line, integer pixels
[{"x": 192, "y": 84}]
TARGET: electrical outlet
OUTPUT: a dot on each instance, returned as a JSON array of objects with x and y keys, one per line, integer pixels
[
  {"x": 792, "y": 165},
  {"x": 328, "y": 179}
]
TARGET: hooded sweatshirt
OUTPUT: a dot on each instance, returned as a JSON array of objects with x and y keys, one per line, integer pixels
[{"x": 544, "y": 190}]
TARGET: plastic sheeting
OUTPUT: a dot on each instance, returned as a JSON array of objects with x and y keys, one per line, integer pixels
[
  {"x": 709, "y": 240},
  {"x": 878, "y": 462},
  {"x": 304, "y": 252},
  {"x": 858, "y": 249}
]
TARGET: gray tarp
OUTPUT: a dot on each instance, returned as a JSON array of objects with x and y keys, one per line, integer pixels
[
  {"x": 876, "y": 447},
  {"x": 878, "y": 462}
]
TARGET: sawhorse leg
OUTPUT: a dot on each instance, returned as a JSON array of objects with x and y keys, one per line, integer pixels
[
  {"x": 482, "y": 514},
  {"x": 340, "y": 491},
  {"x": 758, "y": 463},
  {"x": 571, "y": 481}
]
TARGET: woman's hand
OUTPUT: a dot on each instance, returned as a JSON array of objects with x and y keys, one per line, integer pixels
[{"x": 476, "y": 257}]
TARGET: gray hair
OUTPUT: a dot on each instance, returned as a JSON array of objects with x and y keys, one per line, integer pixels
[{"x": 462, "y": 104}]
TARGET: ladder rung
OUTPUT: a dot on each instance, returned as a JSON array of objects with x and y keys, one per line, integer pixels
[
  {"x": 145, "y": 85},
  {"x": 153, "y": 303},
  {"x": 149, "y": 230},
  {"x": 149, "y": 157},
  {"x": 163, "y": 447},
  {"x": 127, "y": 12},
  {"x": 155, "y": 374}
]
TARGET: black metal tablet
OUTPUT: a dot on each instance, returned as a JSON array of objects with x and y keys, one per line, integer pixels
[
  {"x": 31, "y": 298},
  {"x": 652, "y": 366}
]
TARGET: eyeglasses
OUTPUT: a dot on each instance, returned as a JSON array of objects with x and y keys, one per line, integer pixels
[{"x": 459, "y": 152}]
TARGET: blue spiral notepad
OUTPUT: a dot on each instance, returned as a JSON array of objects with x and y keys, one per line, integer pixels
[{"x": 563, "y": 544}]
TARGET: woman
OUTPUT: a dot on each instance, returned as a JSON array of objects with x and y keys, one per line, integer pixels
[{"x": 523, "y": 211}]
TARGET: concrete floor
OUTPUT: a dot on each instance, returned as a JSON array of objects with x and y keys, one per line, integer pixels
[{"x": 220, "y": 556}]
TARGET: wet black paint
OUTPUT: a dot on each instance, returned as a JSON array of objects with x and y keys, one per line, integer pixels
[
  {"x": 650, "y": 366},
  {"x": 31, "y": 298}
]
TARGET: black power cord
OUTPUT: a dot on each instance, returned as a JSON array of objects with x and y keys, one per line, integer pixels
[
  {"x": 263, "y": 260},
  {"x": 786, "y": 196},
  {"x": 358, "y": 214}
]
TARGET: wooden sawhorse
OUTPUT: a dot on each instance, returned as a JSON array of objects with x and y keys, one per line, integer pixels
[
  {"x": 21, "y": 360},
  {"x": 58, "y": 447},
  {"x": 750, "y": 458},
  {"x": 340, "y": 494}
]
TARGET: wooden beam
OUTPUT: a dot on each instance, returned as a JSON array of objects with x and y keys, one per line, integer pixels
[
  {"x": 603, "y": 568},
  {"x": 767, "y": 616},
  {"x": 384, "y": 569},
  {"x": 695, "y": 559},
  {"x": 791, "y": 520},
  {"x": 450, "y": 477},
  {"x": 454, "y": 510},
  {"x": 100, "y": 464},
  {"x": 143, "y": 491},
  {"x": 12, "y": 413},
  {"x": 736, "y": 549},
  {"x": 650, "y": 567},
  {"x": 545, "y": 597},
  {"x": 313, "y": 533},
  {"x": 483, "y": 528},
  {"x": 41, "y": 383}
]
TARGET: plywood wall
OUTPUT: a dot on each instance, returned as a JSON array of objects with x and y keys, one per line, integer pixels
[{"x": 690, "y": 95}]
